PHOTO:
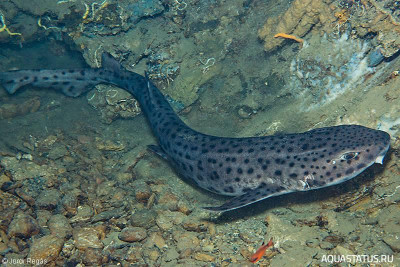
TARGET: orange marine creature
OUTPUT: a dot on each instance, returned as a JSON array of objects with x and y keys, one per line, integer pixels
[
  {"x": 289, "y": 36},
  {"x": 261, "y": 251}
]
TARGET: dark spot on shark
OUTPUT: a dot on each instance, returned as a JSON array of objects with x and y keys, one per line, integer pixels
[
  {"x": 215, "y": 176},
  {"x": 349, "y": 171},
  {"x": 264, "y": 167},
  {"x": 229, "y": 189},
  {"x": 360, "y": 166},
  {"x": 211, "y": 160}
]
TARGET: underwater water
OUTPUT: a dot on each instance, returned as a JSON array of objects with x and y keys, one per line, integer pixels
[{"x": 79, "y": 186}]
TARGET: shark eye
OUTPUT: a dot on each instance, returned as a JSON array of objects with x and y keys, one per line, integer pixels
[{"x": 349, "y": 155}]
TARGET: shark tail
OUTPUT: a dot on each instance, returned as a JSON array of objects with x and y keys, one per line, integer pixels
[{"x": 74, "y": 82}]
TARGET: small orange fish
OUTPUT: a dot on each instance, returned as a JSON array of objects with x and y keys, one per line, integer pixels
[{"x": 261, "y": 251}]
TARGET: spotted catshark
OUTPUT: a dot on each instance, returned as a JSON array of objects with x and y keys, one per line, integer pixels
[{"x": 250, "y": 168}]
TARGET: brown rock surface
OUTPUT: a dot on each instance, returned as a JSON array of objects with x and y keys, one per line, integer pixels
[
  {"x": 298, "y": 20},
  {"x": 23, "y": 226},
  {"x": 133, "y": 234},
  {"x": 46, "y": 249}
]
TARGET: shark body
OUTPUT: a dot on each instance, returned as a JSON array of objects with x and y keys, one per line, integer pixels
[{"x": 251, "y": 168}]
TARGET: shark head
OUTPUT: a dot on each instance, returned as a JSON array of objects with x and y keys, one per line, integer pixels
[{"x": 347, "y": 152}]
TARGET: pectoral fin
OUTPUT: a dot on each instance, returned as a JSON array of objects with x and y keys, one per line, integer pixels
[{"x": 250, "y": 197}]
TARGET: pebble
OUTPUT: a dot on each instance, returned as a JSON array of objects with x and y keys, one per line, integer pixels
[
  {"x": 93, "y": 257},
  {"x": 326, "y": 245},
  {"x": 191, "y": 224},
  {"x": 25, "y": 197},
  {"x": 70, "y": 204},
  {"x": 207, "y": 246},
  {"x": 112, "y": 241},
  {"x": 164, "y": 222},
  {"x": 168, "y": 200},
  {"x": 334, "y": 239},
  {"x": 84, "y": 214},
  {"x": 340, "y": 224},
  {"x": 151, "y": 201},
  {"x": 108, "y": 145},
  {"x": 57, "y": 152},
  {"x": 105, "y": 188},
  {"x": 107, "y": 215},
  {"x": 4, "y": 179},
  {"x": 183, "y": 207},
  {"x": 87, "y": 237},
  {"x": 153, "y": 254},
  {"x": 167, "y": 219},
  {"x": 48, "y": 199},
  {"x": 9, "y": 205},
  {"x": 155, "y": 239},
  {"x": 339, "y": 250},
  {"x": 46, "y": 249},
  {"x": 244, "y": 112},
  {"x": 23, "y": 226},
  {"x": 59, "y": 225},
  {"x": 312, "y": 243},
  {"x": 133, "y": 234},
  {"x": 393, "y": 242},
  {"x": 171, "y": 254},
  {"x": 144, "y": 218},
  {"x": 204, "y": 257},
  {"x": 187, "y": 253},
  {"x": 185, "y": 240},
  {"x": 43, "y": 217},
  {"x": 142, "y": 191}
]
